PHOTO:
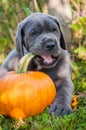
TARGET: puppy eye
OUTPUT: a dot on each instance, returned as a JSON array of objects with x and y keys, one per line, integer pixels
[
  {"x": 54, "y": 29},
  {"x": 32, "y": 32},
  {"x": 35, "y": 31}
]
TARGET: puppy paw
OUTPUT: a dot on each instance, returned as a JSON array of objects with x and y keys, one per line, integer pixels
[
  {"x": 60, "y": 109},
  {"x": 3, "y": 71}
]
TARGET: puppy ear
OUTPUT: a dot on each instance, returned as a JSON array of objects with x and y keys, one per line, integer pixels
[
  {"x": 19, "y": 40},
  {"x": 62, "y": 41}
]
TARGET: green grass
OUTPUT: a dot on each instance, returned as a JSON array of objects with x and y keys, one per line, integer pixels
[{"x": 74, "y": 121}]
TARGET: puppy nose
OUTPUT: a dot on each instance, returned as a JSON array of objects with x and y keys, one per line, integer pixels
[{"x": 50, "y": 45}]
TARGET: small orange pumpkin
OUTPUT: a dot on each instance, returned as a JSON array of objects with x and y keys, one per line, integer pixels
[
  {"x": 26, "y": 94},
  {"x": 74, "y": 102}
]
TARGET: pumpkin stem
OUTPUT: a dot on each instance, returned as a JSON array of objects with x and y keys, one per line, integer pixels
[{"x": 24, "y": 62}]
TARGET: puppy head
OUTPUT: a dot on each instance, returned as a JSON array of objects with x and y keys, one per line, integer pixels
[{"x": 41, "y": 34}]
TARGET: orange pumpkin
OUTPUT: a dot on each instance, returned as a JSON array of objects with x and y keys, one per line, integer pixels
[
  {"x": 74, "y": 102},
  {"x": 26, "y": 94}
]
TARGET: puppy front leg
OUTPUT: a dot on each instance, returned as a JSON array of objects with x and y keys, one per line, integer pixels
[
  {"x": 62, "y": 103},
  {"x": 10, "y": 62}
]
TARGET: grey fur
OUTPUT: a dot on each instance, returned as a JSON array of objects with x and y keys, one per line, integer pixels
[{"x": 41, "y": 34}]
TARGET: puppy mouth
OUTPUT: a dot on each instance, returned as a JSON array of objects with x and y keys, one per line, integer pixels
[{"x": 46, "y": 60}]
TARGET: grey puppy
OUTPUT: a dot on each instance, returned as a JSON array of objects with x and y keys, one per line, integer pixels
[{"x": 41, "y": 34}]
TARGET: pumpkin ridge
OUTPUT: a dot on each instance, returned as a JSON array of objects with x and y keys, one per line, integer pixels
[{"x": 25, "y": 94}]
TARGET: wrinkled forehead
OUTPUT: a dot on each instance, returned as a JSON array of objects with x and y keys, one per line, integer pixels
[
  {"x": 38, "y": 19},
  {"x": 42, "y": 18}
]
